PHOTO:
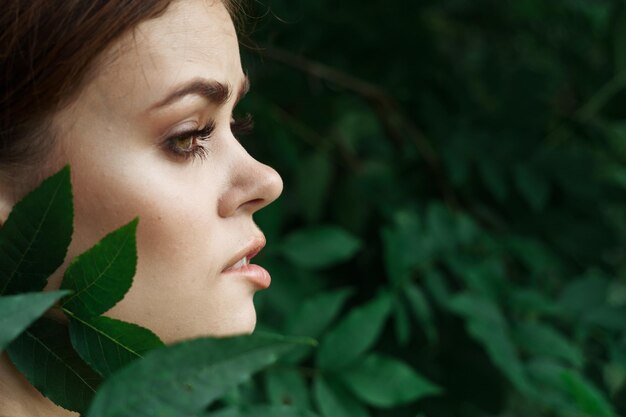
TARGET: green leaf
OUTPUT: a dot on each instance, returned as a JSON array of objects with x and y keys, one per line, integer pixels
[
  {"x": 314, "y": 179},
  {"x": 319, "y": 247},
  {"x": 17, "y": 312},
  {"x": 182, "y": 379},
  {"x": 457, "y": 164},
  {"x": 501, "y": 350},
  {"x": 286, "y": 386},
  {"x": 108, "y": 344},
  {"x": 383, "y": 381},
  {"x": 534, "y": 188},
  {"x": 606, "y": 317},
  {"x": 313, "y": 317},
  {"x": 333, "y": 401},
  {"x": 403, "y": 246},
  {"x": 402, "y": 324},
  {"x": 543, "y": 340},
  {"x": 262, "y": 411},
  {"x": 584, "y": 294},
  {"x": 441, "y": 229},
  {"x": 35, "y": 237},
  {"x": 355, "y": 334},
  {"x": 487, "y": 325},
  {"x": 317, "y": 313},
  {"x": 100, "y": 277},
  {"x": 587, "y": 398},
  {"x": 493, "y": 178},
  {"x": 614, "y": 376},
  {"x": 525, "y": 301},
  {"x": 421, "y": 310},
  {"x": 44, "y": 355},
  {"x": 569, "y": 390},
  {"x": 271, "y": 220},
  {"x": 616, "y": 294},
  {"x": 545, "y": 376},
  {"x": 477, "y": 308},
  {"x": 435, "y": 283},
  {"x": 532, "y": 253},
  {"x": 481, "y": 276}
]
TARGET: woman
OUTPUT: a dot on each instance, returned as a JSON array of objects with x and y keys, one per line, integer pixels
[{"x": 138, "y": 97}]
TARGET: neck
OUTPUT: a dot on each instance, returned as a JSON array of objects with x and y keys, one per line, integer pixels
[{"x": 20, "y": 399}]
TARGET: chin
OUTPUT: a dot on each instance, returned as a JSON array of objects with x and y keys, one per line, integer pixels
[
  {"x": 245, "y": 326},
  {"x": 239, "y": 324}
]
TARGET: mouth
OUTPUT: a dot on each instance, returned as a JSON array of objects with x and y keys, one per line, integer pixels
[
  {"x": 243, "y": 257},
  {"x": 240, "y": 264}
]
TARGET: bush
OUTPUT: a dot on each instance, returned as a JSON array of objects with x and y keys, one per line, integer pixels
[{"x": 452, "y": 231}]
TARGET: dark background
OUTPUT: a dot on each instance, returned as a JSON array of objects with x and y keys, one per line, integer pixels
[{"x": 464, "y": 162}]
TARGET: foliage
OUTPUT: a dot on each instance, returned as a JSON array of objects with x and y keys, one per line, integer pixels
[
  {"x": 35, "y": 236},
  {"x": 17, "y": 312},
  {"x": 190, "y": 375},
  {"x": 452, "y": 229},
  {"x": 476, "y": 151}
]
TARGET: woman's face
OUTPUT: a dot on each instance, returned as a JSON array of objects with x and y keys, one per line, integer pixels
[{"x": 151, "y": 135}]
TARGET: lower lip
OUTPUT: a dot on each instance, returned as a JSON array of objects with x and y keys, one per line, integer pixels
[{"x": 256, "y": 274}]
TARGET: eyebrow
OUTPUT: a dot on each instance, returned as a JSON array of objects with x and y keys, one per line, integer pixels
[{"x": 214, "y": 91}]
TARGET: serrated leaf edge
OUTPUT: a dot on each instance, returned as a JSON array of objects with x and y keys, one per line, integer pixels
[
  {"x": 38, "y": 230},
  {"x": 99, "y": 243}
]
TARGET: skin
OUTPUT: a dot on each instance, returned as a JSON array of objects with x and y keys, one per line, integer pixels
[{"x": 195, "y": 214}]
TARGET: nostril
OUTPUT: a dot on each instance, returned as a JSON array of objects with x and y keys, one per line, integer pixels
[
  {"x": 253, "y": 205},
  {"x": 257, "y": 203}
]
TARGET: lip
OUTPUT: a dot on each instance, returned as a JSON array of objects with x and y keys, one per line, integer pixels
[
  {"x": 254, "y": 273},
  {"x": 250, "y": 251}
]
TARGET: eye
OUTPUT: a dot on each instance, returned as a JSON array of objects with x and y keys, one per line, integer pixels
[
  {"x": 184, "y": 144},
  {"x": 190, "y": 143}
]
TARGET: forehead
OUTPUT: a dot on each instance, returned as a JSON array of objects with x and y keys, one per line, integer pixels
[{"x": 192, "y": 39}]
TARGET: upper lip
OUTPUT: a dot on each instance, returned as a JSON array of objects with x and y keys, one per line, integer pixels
[{"x": 253, "y": 247}]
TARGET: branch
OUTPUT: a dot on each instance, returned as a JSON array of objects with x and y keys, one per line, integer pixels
[{"x": 389, "y": 111}]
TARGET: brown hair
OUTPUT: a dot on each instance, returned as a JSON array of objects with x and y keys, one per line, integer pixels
[{"x": 47, "y": 49}]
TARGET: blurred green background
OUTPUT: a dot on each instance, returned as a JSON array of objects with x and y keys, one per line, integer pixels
[{"x": 453, "y": 222}]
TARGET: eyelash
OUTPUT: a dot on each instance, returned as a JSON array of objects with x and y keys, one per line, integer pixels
[{"x": 239, "y": 127}]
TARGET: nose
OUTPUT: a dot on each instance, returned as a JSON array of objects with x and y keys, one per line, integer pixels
[{"x": 252, "y": 186}]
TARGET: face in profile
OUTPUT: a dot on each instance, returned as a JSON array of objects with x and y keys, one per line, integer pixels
[{"x": 153, "y": 135}]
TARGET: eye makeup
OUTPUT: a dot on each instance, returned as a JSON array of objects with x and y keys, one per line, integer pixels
[
  {"x": 192, "y": 144},
  {"x": 242, "y": 126}
]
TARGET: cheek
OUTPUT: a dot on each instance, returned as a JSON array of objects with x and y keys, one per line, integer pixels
[
  {"x": 182, "y": 242},
  {"x": 176, "y": 205},
  {"x": 172, "y": 204}
]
